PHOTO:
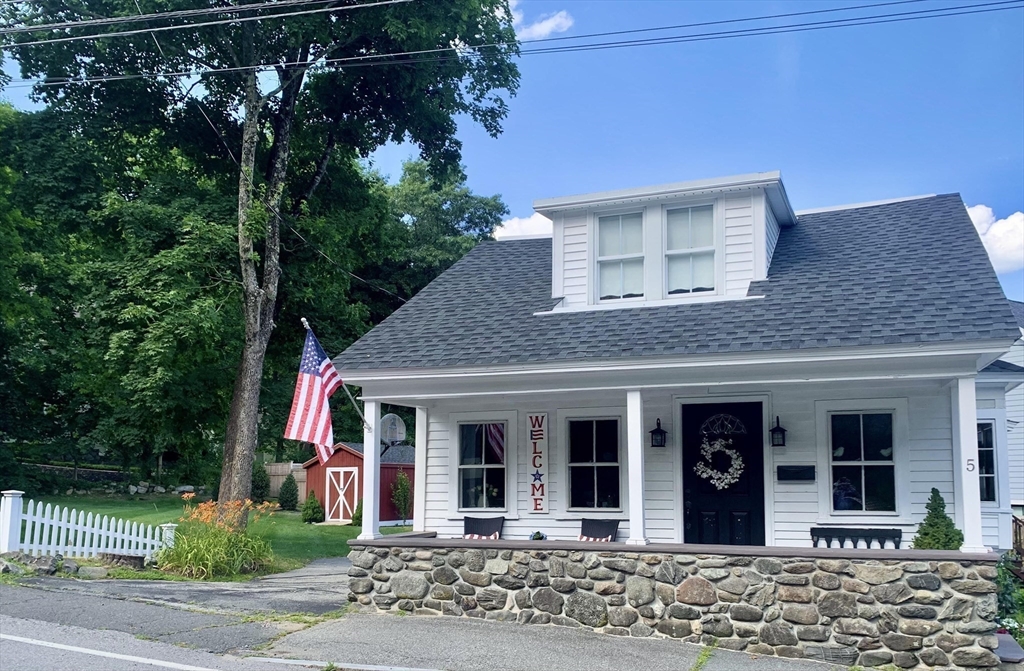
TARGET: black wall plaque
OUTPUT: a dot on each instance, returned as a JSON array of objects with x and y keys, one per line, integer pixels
[{"x": 791, "y": 473}]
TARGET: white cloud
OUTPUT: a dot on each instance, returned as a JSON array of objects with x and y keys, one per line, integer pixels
[
  {"x": 1003, "y": 238},
  {"x": 535, "y": 224},
  {"x": 545, "y": 26}
]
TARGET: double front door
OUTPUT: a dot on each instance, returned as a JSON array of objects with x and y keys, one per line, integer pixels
[{"x": 723, "y": 473}]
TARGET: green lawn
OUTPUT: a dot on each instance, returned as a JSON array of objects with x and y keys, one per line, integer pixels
[{"x": 295, "y": 544}]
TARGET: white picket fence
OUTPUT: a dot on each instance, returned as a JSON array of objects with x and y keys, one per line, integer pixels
[{"x": 37, "y": 529}]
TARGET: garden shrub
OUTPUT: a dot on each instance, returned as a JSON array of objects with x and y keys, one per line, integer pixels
[
  {"x": 288, "y": 497},
  {"x": 1010, "y": 598},
  {"x": 212, "y": 541},
  {"x": 260, "y": 491},
  {"x": 357, "y": 514},
  {"x": 401, "y": 494},
  {"x": 937, "y": 531},
  {"x": 312, "y": 511}
]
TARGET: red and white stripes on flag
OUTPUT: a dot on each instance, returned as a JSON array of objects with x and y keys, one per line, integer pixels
[
  {"x": 310, "y": 418},
  {"x": 496, "y": 439}
]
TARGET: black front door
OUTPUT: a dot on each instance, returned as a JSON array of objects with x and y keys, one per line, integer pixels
[{"x": 723, "y": 473}]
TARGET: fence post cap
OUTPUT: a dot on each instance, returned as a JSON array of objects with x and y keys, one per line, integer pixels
[
  {"x": 167, "y": 525},
  {"x": 12, "y": 492}
]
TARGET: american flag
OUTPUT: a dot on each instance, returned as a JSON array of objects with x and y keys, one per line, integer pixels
[{"x": 310, "y": 418}]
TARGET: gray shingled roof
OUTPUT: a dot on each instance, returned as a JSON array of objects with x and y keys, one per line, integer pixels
[
  {"x": 1000, "y": 366},
  {"x": 1018, "y": 312},
  {"x": 900, "y": 273},
  {"x": 394, "y": 454}
]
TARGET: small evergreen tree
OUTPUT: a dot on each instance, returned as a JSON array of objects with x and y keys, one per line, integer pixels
[
  {"x": 288, "y": 497},
  {"x": 312, "y": 511},
  {"x": 937, "y": 531},
  {"x": 401, "y": 495},
  {"x": 260, "y": 483},
  {"x": 357, "y": 514}
]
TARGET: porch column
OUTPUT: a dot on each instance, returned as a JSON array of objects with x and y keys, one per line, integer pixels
[
  {"x": 419, "y": 491},
  {"x": 967, "y": 490},
  {"x": 635, "y": 450},
  {"x": 371, "y": 472}
]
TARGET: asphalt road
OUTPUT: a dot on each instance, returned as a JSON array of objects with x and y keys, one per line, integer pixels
[
  {"x": 107, "y": 628},
  {"x": 33, "y": 645}
]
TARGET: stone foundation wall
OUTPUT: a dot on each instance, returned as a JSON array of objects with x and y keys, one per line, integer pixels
[{"x": 911, "y": 614}]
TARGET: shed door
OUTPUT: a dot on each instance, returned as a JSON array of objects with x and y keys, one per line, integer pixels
[
  {"x": 342, "y": 494},
  {"x": 729, "y": 511}
]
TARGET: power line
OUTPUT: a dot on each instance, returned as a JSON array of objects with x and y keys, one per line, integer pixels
[
  {"x": 379, "y": 59},
  {"x": 238, "y": 19},
  {"x": 140, "y": 17}
]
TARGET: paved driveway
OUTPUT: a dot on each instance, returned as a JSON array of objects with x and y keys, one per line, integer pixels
[{"x": 319, "y": 587}]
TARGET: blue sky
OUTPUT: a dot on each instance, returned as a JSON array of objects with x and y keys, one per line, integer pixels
[{"x": 848, "y": 115}]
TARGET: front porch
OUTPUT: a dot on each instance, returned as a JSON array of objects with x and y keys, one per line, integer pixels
[{"x": 866, "y": 441}]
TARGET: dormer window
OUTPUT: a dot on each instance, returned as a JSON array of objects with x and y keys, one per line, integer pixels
[
  {"x": 620, "y": 256},
  {"x": 690, "y": 250}
]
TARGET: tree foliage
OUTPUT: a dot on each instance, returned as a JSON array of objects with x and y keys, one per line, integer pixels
[
  {"x": 937, "y": 531},
  {"x": 336, "y": 90},
  {"x": 288, "y": 496},
  {"x": 260, "y": 483},
  {"x": 401, "y": 495},
  {"x": 312, "y": 511}
]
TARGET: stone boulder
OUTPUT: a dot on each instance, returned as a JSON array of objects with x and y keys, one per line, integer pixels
[
  {"x": 409, "y": 585},
  {"x": 639, "y": 591},
  {"x": 548, "y": 600},
  {"x": 697, "y": 591},
  {"x": 586, "y": 608}
]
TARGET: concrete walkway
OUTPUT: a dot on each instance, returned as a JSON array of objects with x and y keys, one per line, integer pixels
[
  {"x": 319, "y": 587},
  {"x": 463, "y": 644}
]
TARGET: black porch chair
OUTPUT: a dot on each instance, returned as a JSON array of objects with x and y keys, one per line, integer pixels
[
  {"x": 482, "y": 528},
  {"x": 598, "y": 531}
]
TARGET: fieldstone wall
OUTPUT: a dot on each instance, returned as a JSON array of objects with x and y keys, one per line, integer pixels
[{"x": 910, "y": 614}]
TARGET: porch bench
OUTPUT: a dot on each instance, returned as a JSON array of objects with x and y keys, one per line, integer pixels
[{"x": 843, "y": 534}]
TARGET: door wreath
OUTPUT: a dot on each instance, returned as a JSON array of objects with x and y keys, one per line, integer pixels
[{"x": 719, "y": 479}]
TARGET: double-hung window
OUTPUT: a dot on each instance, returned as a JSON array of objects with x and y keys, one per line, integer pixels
[
  {"x": 620, "y": 256},
  {"x": 861, "y": 456},
  {"x": 690, "y": 250},
  {"x": 594, "y": 463},
  {"x": 987, "y": 461},
  {"x": 482, "y": 465}
]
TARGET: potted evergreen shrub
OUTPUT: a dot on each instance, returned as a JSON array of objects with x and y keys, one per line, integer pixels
[{"x": 937, "y": 531}]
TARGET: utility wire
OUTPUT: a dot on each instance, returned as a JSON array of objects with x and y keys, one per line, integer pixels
[
  {"x": 141, "y": 17},
  {"x": 379, "y": 59},
  {"x": 237, "y": 19}
]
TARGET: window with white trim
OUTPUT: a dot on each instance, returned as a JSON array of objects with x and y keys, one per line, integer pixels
[
  {"x": 690, "y": 250},
  {"x": 987, "y": 461},
  {"x": 863, "y": 471},
  {"x": 620, "y": 256},
  {"x": 482, "y": 449},
  {"x": 594, "y": 464}
]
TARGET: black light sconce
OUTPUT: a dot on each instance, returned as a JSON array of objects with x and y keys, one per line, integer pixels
[
  {"x": 658, "y": 436},
  {"x": 778, "y": 435}
]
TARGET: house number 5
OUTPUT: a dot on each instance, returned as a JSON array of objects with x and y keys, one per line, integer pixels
[{"x": 970, "y": 465}]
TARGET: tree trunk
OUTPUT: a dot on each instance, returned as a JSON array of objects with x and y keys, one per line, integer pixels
[{"x": 242, "y": 433}]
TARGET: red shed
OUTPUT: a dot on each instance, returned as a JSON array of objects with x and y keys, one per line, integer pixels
[{"x": 338, "y": 484}]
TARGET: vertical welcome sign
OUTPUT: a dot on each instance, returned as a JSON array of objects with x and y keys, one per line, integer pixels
[{"x": 538, "y": 478}]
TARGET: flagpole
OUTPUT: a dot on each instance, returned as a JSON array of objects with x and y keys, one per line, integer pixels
[{"x": 343, "y": 385}]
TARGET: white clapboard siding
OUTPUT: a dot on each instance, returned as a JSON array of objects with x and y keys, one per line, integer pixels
[
  {"x": 1015, "y": 421},
  {"x": 50, "y": 530},
  {"x": 771, "y": 237},
  {"x": 574, "y": 260},
  {"x": 739, "y": 244}
]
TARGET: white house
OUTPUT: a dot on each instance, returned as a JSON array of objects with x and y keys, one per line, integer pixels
[
  {"x": 539, "y": 369},
  {"x": 1015, "y": 418}
]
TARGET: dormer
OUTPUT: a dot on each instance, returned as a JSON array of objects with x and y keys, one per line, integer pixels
[{"x": 698, "y": 241}]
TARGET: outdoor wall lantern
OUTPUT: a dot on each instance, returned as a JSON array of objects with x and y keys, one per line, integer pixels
[
  {"x": 778, "y": 434},
  {"x": 658, "y": 436}
]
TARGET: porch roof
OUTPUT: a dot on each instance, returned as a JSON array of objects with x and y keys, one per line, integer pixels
[{"x": 878, "y": 275}]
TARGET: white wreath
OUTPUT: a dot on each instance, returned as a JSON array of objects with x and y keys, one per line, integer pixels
[{"x": 718, "y": 479}]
